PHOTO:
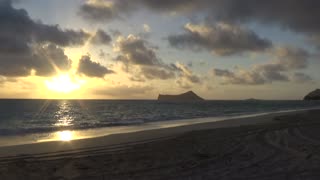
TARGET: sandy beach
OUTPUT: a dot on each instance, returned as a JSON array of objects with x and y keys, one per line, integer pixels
[{"x": 274, "y": 146}]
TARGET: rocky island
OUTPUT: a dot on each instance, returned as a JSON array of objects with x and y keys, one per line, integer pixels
[
  {"x": 314, "y": 95},
  {"x": 189, "y": 96}
]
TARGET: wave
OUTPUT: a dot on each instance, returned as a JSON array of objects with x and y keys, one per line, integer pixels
[{"x": 106, "y": 123}]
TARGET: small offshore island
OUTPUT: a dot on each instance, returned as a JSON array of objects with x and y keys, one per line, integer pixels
[
  {"x": 314, "y": 95},
  {"x": 189, "y": 96}
]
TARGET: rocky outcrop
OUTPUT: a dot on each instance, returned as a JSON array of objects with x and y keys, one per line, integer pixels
[
  {"x": 314, "y": 95},
  {"x": 189, "y": 96}
]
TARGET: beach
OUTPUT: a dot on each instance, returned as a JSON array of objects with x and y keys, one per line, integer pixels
[{"x": 273, "y": 146}]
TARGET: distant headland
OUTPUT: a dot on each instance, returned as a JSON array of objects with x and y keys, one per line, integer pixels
[
  {"x": 189, "y": 96},
  {"x": 314, "y": 95}
]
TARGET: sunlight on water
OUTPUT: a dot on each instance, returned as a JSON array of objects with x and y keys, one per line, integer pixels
[
  {"x": 65, "y": 135},
  {"x": 64, "y": 118},
  {"x": 63, "y": 115}
]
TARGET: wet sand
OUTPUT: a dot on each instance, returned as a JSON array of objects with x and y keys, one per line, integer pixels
[{"x": 278, "y": 146}]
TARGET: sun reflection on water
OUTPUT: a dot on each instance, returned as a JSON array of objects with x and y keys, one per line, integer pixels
[
  {"x": 64, "y": 115},
  {"x": 64, "y": 118},
  {"x": 65, "y": 135}
]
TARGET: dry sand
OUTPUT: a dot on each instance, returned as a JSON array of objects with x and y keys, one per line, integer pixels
[{"x": 275, "y": 146}]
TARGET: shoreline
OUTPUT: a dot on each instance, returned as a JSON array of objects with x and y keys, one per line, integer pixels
[{"x": 140, "y": 134}]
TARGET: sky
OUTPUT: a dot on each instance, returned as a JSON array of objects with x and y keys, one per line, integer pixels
[{"x": 137, "y": 49}]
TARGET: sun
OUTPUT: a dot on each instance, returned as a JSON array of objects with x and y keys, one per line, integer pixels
[{"x": 63, "y": 84}]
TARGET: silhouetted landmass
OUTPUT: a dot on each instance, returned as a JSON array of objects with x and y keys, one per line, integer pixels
[
  {"x": 189, "y": 96},
  {"x": 314, "y": 95},
  {"x": 252, "y": 99}
]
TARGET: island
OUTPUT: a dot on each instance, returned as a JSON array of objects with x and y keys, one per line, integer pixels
[
  {"x": 189, "y": 96},
  {"x": 314, "y": 95},
  {"x": 252, "y": 100}
]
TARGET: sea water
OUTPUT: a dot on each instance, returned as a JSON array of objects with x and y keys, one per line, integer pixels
[{"x": 27, "y": 117}]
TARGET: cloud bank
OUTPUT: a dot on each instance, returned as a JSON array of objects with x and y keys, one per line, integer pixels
[
  {"x": 295, "y": 15},
  {"x": 92, "y": 69},
  {"x": 221, "y": 39},
  {"x": 27, "y": 45},
  {"x": 287, "y": 59}
]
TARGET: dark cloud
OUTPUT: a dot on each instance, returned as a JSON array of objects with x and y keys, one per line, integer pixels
[
  {"x": 49, "y": 59},
  {"x": 186, "y": 72},
  {"x": 101, "y": 38},
  {"x": 223, "y": 73},
  {"x": 157, "y": 73},
  {"x": 134, "y": 50},
  {"x": 143, "y": 63},
  {"x": 54, "y": 34},
  {"x": 301, "y": 78},
  {"x": 92, "y": 69},
  {"x": 186, "y": 78},
  {"x": 136, "y": 53},
  {"x": 296, "y": 15},
  {"x": 19, "y": 28},
  {"x": 292, "y": 58},
  {"x": 44, "y": 60},
  {"x": 96, "y": 13},
  {"x": 293, "y": 14},
  {"x": 104, "y": 10},
  {"x": 287, "y": 59},
  {"x": 250, "y": 77},
  {"x": 27, "y": 45},
  {"x": 221, "y": 39}
]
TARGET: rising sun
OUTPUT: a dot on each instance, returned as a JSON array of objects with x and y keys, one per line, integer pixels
[{"x": 63, "y": 84}]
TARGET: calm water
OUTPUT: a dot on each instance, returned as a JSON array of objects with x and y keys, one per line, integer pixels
[{"x": 19, "y": 117}]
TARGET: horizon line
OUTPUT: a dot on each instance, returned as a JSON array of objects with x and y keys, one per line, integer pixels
[{"x": 103, "y": 99}]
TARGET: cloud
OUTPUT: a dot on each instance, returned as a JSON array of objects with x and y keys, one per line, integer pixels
[
  {"x": 221, "y": 39},
  {"x": 18, "y": 29},
  {"x": 135, "y": 53},
  {"x": 142, "y": 62},
  {"x": 97, "y": 12},
  {"x": 292, "y": 58},
  {"x": 301, "y": 78},
  {"x": 146, "y": 28},
  {"x": 2, "y": 80},
  {"x": 45, "y": 60},
  {"x": 53, "y": 34},
  {"x": 27, "y": 45},
  {"x": 223, "y": 73},
  {"x": 101, "y": 38},
  {"x": 104, "y": 10},
  {"x": 296, "y": 15},
  {"x": 157, "y": 73},
  {"x": 92, "y": 69},
  {"x": 124, "y": 91},
  {"x": 186, "y": 77},
  {"x": 287, "y": 59},
  {"x": 49, "y": 59}
]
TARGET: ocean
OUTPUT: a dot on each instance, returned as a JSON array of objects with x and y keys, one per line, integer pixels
[{"x": 25, "y": 117}]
